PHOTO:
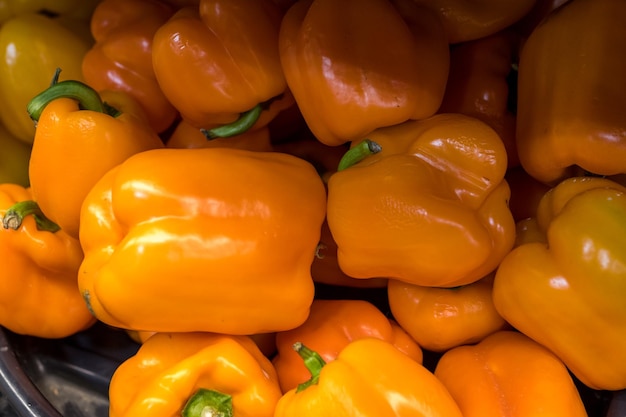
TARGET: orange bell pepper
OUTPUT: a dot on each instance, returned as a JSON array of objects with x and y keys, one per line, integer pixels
[
  {"x": 39, "y": 292},
  {"x": 440, "y": 319},
  {"x": 470, "y": 20},
  {"x": 571, "y": 94},
  {"x": 187, "y": 136},
  {"x": 209, "y": 239},
  {"x": 435, "y": 187},
  {"x": 369, "y": 377},
  {"x": 332, "y": 325},
  {"x": 355, "y": 66},
  {"x": 509, "y": 374},
  {"x": 325, "y": 268},
  {"x": 121, "y": 58},
  {"x": 566, "y": 290},
  {"x": 218, "y": 64},
  {"x": 194, "y": 375},
  {"x": 479, "y": 86},
  {"x": 80, "y": 135}
]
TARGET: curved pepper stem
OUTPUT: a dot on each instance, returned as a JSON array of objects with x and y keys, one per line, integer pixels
[
  {"x": 87, "y": 97},
  {"x": 208, "y": 403},
  {"x": 14, "y": 217},
  {"x": 358, "y": 153},
  {"x": 245, "y": 121},
  {"x": 313, "y": 362}
]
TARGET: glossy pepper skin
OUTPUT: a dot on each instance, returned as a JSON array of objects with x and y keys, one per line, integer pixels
[
  {"x": 509, "y": 374},
  {"x": 77, "y": 140},
  {"x": 345, "y": 77},
  {"x": 470, "y": 20},
  {"x": 331, "y": 326},
  {"x": 32, "y": 46},
  {"x": 219, "y": 60},
  {"x": 562, "y": 130},
  {"x": 221, "y": 239},
  {"x": 566, "y": 292},
  {"x": 121, "y": 57},
  {"x": 369, "y": 377},
  {"x": 478, "y": 84},
  {"x": 39, "y": 293},
  {"x": 167, "y": 376},
  {"x": 440, "y": 319},
  {"x": 434, "y": 189}
]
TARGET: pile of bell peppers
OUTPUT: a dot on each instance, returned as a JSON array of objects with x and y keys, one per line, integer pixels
[{"x": 230, "y": 181}]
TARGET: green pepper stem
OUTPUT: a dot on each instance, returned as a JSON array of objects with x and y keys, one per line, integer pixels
[
  {"x": 14, "y": 217},
  {"x": 208, "y": 403},
  {"x": 87, "y": 97},
  {"x": 245, "y": 121},
  {"x": 357, "y": 153},
  {"x": 313, "y": 362}
]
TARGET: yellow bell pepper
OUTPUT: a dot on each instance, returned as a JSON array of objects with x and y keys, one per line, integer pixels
[
  {"x": 75, "y": 9},
  {"x": 207, "y": 239},
  {"x": 435, "y": 188},
  {"x": 567, "y": 292},
  {"x": 194, "y": 375},
  {"x": 39, "y": 292},
  {"x": 32, "y": 47},
  {"x": 369, "y": 377}
]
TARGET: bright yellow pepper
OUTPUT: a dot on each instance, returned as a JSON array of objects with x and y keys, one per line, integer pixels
[
  {"x": 207, "y": 239},
  {"x": 32, "y": 47},
  {"x": 434, "y": 189},
  {"x": 75, "y": 9},
  {"x": 194, "y": 375},
  {"x": 567, "y": 292}
]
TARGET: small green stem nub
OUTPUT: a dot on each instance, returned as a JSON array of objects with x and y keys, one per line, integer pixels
[
  {"x": 359, "y": 152},
  {"x": 245, "y": 121},
  {"x": 87, "y": 97},
  {"x": 15, "y": 215},
  {"x": 313, "y": 362},
  {"x": 208, "y": 403}
]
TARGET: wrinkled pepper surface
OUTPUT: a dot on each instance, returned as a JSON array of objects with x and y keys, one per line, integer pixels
[
  {"x": 369, "y": 377},
  {"x": 195, "y": 375},
  {"x": 218, "y": 63},
  {"x": 39, "y": 293},
  {"x": 478, "y": 84},
  {"x": 32, "y": 46},
  {"x": 566, "y": 292},
  {"x": 80, "y": 135},
  {"x": 209, "y": 239},
  {"x": 345, "y": 77},
  {"x": 121, "y": 57},
  {"x": 331, "y": 326},
  {"x": 436, "y": 187},
  {"x": 571, "y": 94},
  {"x": 440, "y": 319},
  {"x": 509, "y": 374}
]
